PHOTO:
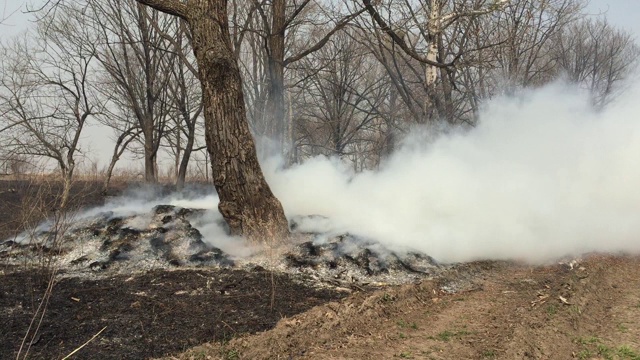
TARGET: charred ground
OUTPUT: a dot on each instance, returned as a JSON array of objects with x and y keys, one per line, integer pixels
[
  {"x": 481, "y": 310},
  {"x": 147, "y": 314}
]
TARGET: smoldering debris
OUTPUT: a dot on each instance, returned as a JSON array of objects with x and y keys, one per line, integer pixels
[
  {"x": 350, "y": 261},
  {"x": 161, "y": 238},
  {"x": 171, "y": 236}
]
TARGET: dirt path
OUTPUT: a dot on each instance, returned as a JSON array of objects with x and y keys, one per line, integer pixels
[{"x": 498, "y": 311}]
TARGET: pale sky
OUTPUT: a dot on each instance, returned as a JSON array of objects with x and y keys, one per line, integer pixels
[
  {"x": 14, "y": 19},
  {"x": 621, "y": 13}
]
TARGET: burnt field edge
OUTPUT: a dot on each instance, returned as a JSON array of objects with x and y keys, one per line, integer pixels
[{"x": 150, "y": 314}]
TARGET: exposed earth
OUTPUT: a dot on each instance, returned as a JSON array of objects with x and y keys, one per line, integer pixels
[
  {"x": 506, "y": 311},
  {"x": 586, "y": 308}
]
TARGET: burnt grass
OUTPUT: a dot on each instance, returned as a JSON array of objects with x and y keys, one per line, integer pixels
[{"x": 151, "y": 314}]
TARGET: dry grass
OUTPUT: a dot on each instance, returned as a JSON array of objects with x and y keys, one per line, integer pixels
[{"x": 41, "y": 204}]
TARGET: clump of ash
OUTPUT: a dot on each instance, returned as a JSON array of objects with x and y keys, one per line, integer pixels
[
  {"x": 347, "y": 259},
  {"x": 170, "y": 237},
  {"x": 120, "y": 243}
]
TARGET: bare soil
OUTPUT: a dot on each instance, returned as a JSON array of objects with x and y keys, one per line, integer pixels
[
  {"x": 497, "y": 311},
  {"x": 481, "y": 310}
]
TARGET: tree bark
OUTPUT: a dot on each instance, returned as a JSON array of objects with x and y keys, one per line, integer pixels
[
  {"x": 246, "y": 201},
  {"x": 275, "y": 107},
  {"x": 67, "y": 181},
  {"x": 186, "y": 155},
  {"x": 149, "y": 158}
]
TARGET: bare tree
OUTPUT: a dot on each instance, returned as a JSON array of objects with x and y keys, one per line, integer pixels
[
  {"x": 270, "y": 29},
  {"x": 135, "y": 53},
  {"x": 185, "y": 101},
  {"x": 94, "y": 36},
  {"x": 526, "y": 30},
  {"x": 47, "y": 96},
  {"x": 422, "y": 45},
  {"x": 121, "y": 144},
  {"x": 595, "y": 55},
  {"x": 338, "y": 100}
]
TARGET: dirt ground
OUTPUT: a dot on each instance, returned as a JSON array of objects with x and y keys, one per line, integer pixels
[
  {"x": 498, "y": 311},
  {"x": 481, "y": 310}
]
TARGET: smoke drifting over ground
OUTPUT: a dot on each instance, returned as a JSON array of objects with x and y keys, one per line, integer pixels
[{"x": 542, "y": 176}]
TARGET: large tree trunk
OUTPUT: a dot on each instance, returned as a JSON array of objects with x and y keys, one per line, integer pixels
[{"x": 246, "y": 201}]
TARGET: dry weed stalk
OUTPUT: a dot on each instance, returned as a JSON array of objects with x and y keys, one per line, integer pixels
[
  {"x": 85, "y": 344},
  {"x": 41, "y": 202}
]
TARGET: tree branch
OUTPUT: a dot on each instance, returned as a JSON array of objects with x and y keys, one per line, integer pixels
[
  {"x": 397, "y": 39},
  {"x": 342, "y": 23},
  {"x": 295, "y": 13},
  {"x": 171, "y": 7}
]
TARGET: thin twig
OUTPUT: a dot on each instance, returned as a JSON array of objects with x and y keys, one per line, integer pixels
[
  {"x": 229, "y": 326},
  {"x": 85, "y": 344}
]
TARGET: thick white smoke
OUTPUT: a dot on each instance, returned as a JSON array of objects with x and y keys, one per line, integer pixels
[{"x": 542, "y": 176}]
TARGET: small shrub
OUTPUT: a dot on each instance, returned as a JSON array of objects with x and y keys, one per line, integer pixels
[
  {"x": 447, "y": 335},
  {"x": 387, "y": 298},
  {"x": 490, "y": 354}
]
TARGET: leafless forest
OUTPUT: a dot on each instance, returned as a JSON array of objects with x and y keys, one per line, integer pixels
[{"x": 308, "y": 78}]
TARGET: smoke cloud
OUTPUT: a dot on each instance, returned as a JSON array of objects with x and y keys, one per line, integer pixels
[{"x": 542, "y": 176}]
